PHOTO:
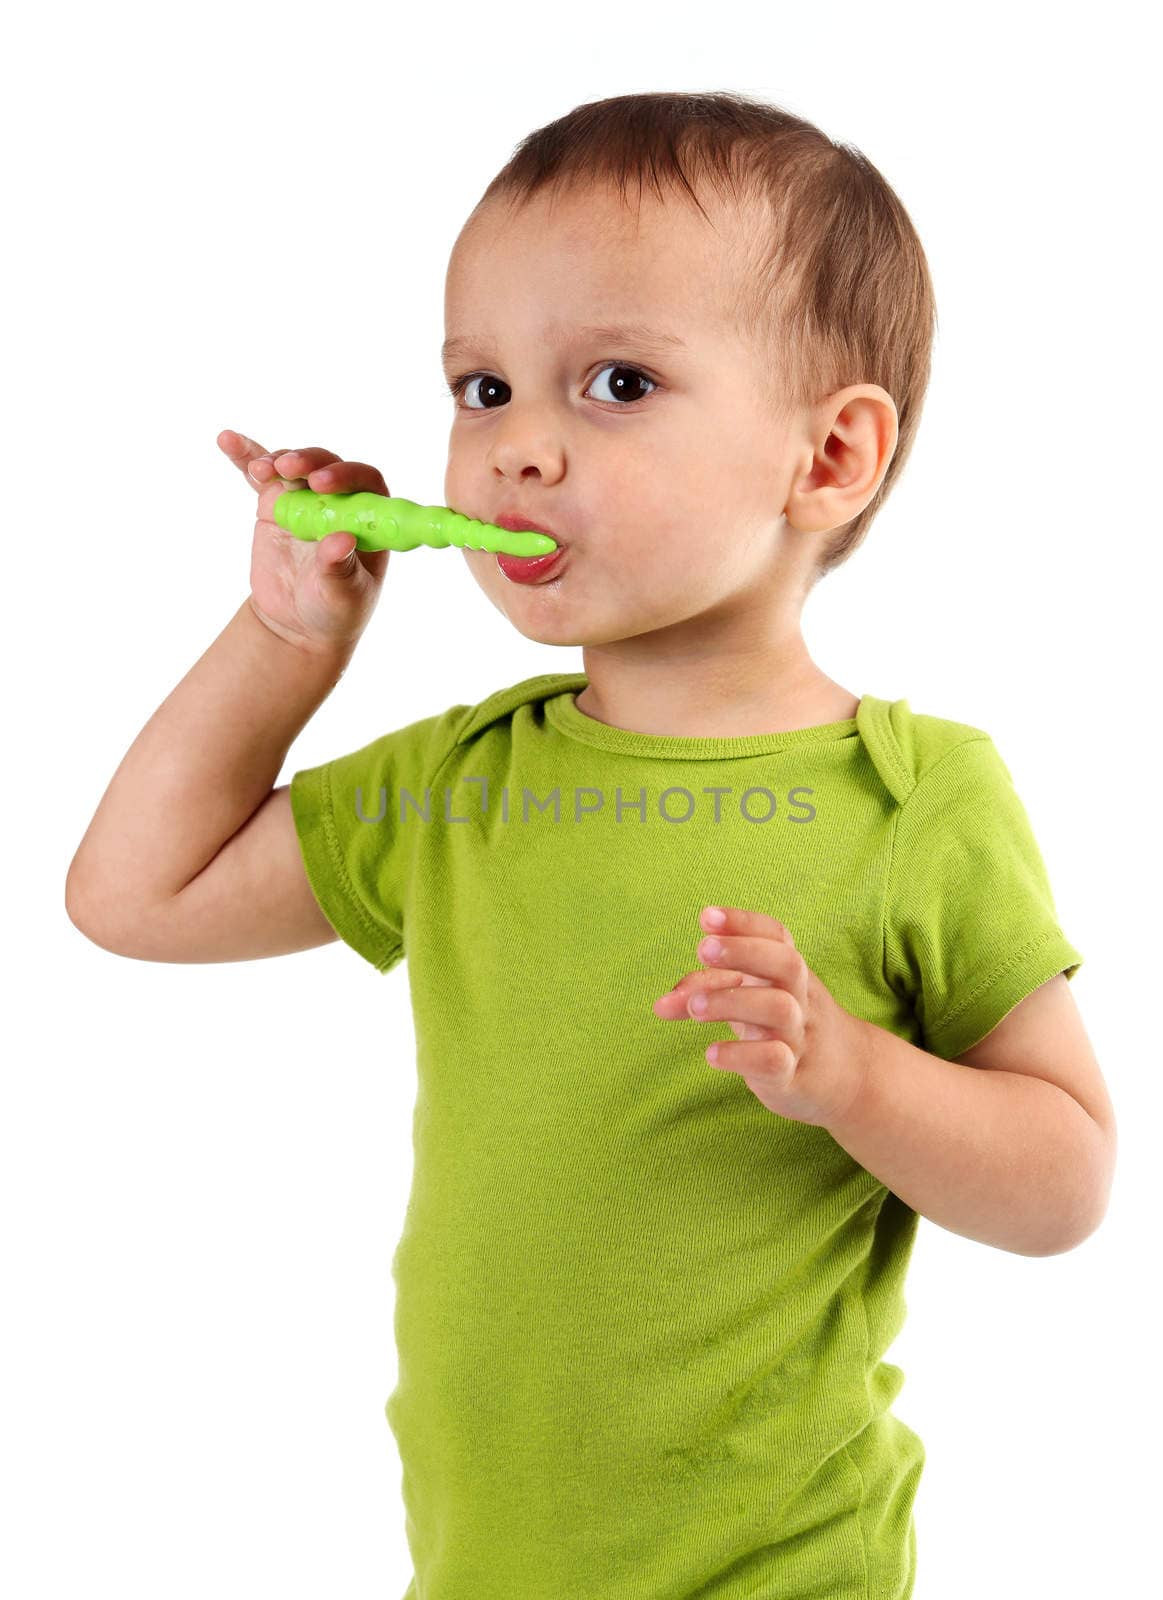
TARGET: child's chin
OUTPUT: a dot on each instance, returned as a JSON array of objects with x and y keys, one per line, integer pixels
[{"x": 564, "y": 633}]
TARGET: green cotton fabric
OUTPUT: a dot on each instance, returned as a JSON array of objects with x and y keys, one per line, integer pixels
[{"x": 640, "y": 1318}]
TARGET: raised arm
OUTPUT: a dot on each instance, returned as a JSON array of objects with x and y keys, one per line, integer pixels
[{"x": 191, "y": 854}]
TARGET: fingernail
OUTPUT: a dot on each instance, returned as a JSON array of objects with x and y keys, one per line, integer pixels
[
  {"x": 710, "y": 948},
  {"x": 698, "y": 1002},
  {"x": 715, "y": 916}
]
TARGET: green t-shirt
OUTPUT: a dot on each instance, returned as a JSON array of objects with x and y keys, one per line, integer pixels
[{"x": 640, "y": 1317}]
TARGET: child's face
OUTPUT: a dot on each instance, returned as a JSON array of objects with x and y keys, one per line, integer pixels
[{"x": 667, "y": 482}]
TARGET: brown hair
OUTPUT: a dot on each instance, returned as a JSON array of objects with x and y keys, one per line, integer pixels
[{"x": 840, "y": 292}]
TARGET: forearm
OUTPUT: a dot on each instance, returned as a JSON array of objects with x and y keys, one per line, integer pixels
[
  {"x": 203, "y": 763},
  {"x": 1001, "y": 1157}
]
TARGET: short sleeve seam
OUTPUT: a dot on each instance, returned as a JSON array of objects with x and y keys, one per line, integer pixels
[
  {"x": 456, "y": 737},
  {"x": 987, "y": 983},
  {"x": 353, "y": 916},
  {"x": 429, "y": 781},
  {"x": 366, "y": 920},
  {"x": 890, "y": 873}
]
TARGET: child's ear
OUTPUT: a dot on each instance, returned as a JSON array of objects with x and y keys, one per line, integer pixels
[{"x": 850, "y": 440}]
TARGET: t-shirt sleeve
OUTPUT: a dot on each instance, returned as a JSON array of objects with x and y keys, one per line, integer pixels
[
  {"x": 970, "y": 923},
  {"x": 357, "y": 818}
]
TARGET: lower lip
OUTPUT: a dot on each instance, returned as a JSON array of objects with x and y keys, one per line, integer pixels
[{"x": 531, "y": 569}]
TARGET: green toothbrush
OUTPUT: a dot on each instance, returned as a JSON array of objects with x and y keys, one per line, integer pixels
[{"x": 385, "y": 522}]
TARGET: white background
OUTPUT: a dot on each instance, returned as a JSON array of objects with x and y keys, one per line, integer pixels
[{"x": 240, "y": 216}]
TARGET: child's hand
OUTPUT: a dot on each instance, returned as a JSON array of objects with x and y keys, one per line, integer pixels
[
  {"x": 318, "y": 596},
  {"x": 803, "y": 1054}
]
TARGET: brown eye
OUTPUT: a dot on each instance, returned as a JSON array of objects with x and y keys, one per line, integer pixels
[
  {"x": 489, "y": 388},
  {"x": 625, "y": 381},
  {"x": 626, "y": 387}
]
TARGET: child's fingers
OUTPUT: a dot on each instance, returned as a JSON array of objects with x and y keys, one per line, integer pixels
[
  {"x": 759, "y": 1014},
  {"x": 254, "y": 462},
  {"x": 262, "y": 474},
  {"x": 312, "y": 467},
  {"x": 301, "y": 463},
  {"x": 348, "y": 477},
  {"x": 241, "y": 450},
  {"x": 676, "y": 1003},
  {"x": 325, "y": 473}
]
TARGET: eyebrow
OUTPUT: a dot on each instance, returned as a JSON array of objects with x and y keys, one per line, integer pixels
[{"x": 603, "y": 333}]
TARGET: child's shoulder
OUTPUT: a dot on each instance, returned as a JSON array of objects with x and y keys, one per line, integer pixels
[
  {"x": 503, "y": 702},
  {"x": 907, "y": 746}
]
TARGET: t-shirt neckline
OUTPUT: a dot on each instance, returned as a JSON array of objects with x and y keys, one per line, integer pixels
[{"x": 563, "y": 712}]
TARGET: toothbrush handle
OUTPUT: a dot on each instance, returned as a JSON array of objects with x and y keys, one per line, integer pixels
[{"x": 383, "y": 522}]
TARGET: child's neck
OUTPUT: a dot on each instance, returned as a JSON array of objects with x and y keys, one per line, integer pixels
[{"x": 712, "y": 697}]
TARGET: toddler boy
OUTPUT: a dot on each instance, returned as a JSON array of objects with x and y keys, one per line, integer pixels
[{"x": 642, "y": 1296}]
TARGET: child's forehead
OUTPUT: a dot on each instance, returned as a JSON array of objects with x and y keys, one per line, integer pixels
[
  {"x": 664, "y": 255},
  {"x": 631, "y": 217}
]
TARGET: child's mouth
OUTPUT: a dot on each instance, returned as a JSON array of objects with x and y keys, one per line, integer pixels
[{"x": 531, "y": 569}]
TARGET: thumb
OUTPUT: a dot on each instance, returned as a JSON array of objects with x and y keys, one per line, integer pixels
[{"x": 334, "y": 560}]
